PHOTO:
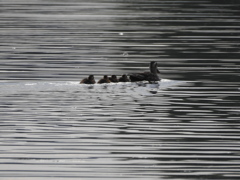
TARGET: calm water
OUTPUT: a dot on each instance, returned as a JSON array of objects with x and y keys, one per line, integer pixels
[{"x": 184, "y": 127}]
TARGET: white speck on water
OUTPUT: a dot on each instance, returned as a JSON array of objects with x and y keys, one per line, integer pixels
[{"x": 125, "y": 54}]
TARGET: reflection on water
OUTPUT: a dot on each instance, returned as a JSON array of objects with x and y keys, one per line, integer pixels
[{"x": 184, "y": 127}]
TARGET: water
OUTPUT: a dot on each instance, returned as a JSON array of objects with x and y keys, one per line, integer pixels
[{"x": 184, "y": 127}]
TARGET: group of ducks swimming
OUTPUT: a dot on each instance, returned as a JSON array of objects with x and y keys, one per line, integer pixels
[
  {"x": 151, "y": 76},
  {"x": 105, "y": 79}
]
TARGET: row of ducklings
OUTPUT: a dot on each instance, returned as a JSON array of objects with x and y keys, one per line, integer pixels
[{"x": 105, "y": 79}]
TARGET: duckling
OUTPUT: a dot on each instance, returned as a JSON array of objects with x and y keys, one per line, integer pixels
[
  {"x": 89, "y": 80},
  {"x": 113, "y": 79},
  {"x": 104, "y": 80},
  {"x": 147, "y": 76},
  {"x": 124, "y": 78}
]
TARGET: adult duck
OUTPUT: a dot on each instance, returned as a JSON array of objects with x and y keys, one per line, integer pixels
[
  {"x": 89, "y": 80},
  {"x": 147, "y": 76},
  {"x": 104, "y": 80}
]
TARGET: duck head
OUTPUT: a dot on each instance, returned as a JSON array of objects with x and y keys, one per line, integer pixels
[
  {"x": 105, "y": 77},
  {"x": 124, "y": 76},
  {"x": 91, "y": 77},
  {"x": 114, "y": 77},
  {"x": 154, "y": 67}
]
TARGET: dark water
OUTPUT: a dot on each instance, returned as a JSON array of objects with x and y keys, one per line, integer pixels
[{"x": 185, "y": 127}]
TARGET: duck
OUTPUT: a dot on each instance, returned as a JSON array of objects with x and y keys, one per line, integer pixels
[
  {"x": 104, "y": 80},
  {"x": 124, "y": 78},
  {"x": 89, "y": 80},
  {"x": 147, "y": 76},
  {"x": 113, "y": 79}
]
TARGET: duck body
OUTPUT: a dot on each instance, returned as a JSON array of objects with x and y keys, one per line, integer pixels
[
  {"x": 124, "y": 78},
  {"x": 146, "y": 76},
  {"x": 89, "y": 80},
  {"x": 113, "y": 79},
  {"x": 104, "y": 80}
]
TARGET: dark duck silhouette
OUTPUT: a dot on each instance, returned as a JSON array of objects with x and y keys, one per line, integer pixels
[
  {"x": 89, "y": 80},
  {"x": 147, "y": 76},
  {"x": 104, "y": 80},
  {"x": 113, "y": 79},
  {"x": 124, "y": 78}
]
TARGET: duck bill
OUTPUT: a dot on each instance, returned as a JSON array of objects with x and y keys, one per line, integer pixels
[{"x": 158, "y": 71}]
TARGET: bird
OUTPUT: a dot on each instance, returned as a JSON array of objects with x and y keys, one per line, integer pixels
[
  {"x": 113, "y": 79},
  {"x": 89, "y": 80},
  {"x": 104, "y": 80},
  {"x": 147, "y": 76},
  {"x": 124, "y": 78}
]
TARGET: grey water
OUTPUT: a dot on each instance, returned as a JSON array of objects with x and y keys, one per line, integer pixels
[{"x": 184, "y": 127}]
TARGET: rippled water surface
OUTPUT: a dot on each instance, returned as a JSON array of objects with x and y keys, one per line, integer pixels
[{"x": 184, "y": 127}]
